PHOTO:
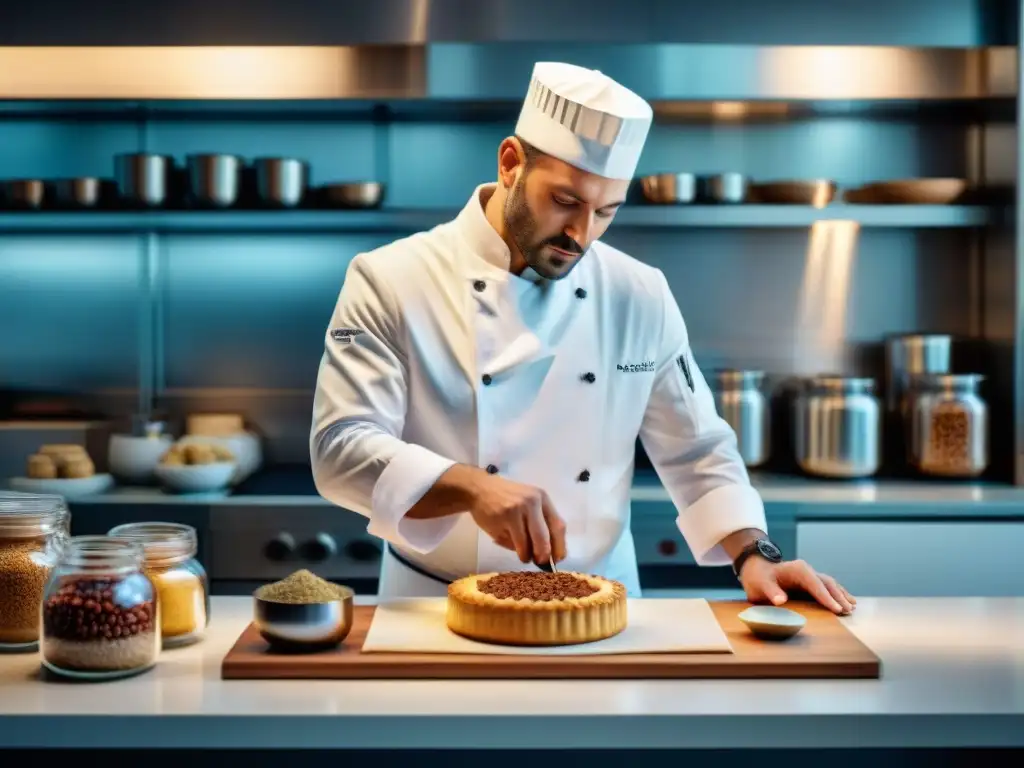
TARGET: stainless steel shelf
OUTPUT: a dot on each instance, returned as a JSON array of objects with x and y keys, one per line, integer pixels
[{"x": 410, "y": 220}]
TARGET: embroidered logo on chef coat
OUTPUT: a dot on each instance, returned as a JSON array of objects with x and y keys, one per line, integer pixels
[
  {"x": 345, "y": 335},
  {"x": 685, "y": 368},
  {"x": 644, "y": 367}
]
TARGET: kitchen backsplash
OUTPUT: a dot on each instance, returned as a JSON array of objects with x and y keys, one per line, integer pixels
[{"x": 244, "y": 314}]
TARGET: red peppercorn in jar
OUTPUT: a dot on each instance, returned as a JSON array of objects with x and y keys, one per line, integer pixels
[{"x": 100, "y": 611}]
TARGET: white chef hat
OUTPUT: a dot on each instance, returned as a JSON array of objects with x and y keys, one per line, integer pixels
[{"x": 584, "y": 118}]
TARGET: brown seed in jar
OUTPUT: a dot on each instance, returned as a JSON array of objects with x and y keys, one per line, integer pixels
[{"x": 23, "y": 577}]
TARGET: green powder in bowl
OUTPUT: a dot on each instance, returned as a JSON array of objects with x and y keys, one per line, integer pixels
[{"x": 302, "y": 587}]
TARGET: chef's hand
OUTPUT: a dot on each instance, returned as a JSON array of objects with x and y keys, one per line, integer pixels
[
  {"x": 766, "y": 581},
  {"x": 518, "y": 517}
]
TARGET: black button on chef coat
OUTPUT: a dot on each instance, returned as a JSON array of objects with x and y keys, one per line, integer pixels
[
  {"x": 589, "y": 377},
  {"x": 480, "y": 285},
  {"x": 486, "y": 379},
  {"x": 584, "y": 476},
  {"x": 581, "y": 293}
]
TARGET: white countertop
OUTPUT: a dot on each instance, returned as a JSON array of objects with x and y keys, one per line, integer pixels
[{"x": 952, "y": 675}]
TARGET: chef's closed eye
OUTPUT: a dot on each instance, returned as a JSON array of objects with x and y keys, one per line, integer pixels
[{"x": 570, "y": 202}]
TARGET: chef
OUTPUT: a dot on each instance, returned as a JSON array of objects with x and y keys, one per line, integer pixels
[{"x": 483, "y": 383}]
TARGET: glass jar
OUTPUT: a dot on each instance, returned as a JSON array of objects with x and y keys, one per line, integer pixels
[
  {"x": 181, "y": 582},
  {"x": 33, "y": 532},
  {"x": 101, "y": 614},
  {"x": 949, "y": 425}
]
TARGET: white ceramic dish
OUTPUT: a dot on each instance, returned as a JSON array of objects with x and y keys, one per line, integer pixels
[
  {"x": 772, "y": 623},
  {"x": 68, "y": 487},
  {"x": 195, "y": 478},
  {"x": 133, "y": 459}
]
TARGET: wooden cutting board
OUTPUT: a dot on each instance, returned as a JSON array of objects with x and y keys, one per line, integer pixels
[{"x": 823, "y": 649}]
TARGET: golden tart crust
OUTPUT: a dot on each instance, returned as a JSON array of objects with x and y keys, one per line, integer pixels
[{"x": 479, "y": 615}]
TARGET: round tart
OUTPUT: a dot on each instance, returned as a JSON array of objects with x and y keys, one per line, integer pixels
[{"x": 536, "y": 608}]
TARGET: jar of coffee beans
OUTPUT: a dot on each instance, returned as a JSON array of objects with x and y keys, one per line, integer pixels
[
  {"x": 181, "y": 581},
  {"x": 949, "y": 425},
  {"x": 101, "y": 615},
  {"x": 33, "y": 532}
]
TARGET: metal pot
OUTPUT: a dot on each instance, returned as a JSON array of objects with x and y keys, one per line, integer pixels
[
  {"x": 724, "y": 188},
  {"x": 740, "y": 402},
  {"x": 356, "y": 194},
  {"x": 667, "y": 188},
  {"x": 837, "y": 427},
  {"x": 83, "y": 192},
  {"x": 949, "y": 435},
  {"x": 281, "y": 181},
  {"x": 214, "y": 180},
  {"x": 143, "y": 179},
  {"x": 23, "y": 193}
]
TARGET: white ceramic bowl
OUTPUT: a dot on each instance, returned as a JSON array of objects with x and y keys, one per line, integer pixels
[
  {"x": 244, "y": 446},
  {"x": 770, "y": 622},
  {"x": 196, "y": 478},
  {"x": 133, "y": 459}
]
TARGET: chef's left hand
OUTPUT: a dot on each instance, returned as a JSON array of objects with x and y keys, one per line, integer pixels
[{"x": 766, "y": 581}]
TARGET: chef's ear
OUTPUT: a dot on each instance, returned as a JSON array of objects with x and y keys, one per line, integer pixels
[{"x": 511, "y": 161}]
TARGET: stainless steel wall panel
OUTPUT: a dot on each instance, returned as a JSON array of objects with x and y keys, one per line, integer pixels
[
  {"x": 251, "y": 312},
  {"x": 68, "y": 312}
]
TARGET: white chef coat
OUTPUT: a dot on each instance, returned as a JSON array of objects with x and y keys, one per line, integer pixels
[{"x": 436, "y": 354}]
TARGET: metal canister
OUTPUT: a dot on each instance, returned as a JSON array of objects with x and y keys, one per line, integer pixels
[
  {"x": 837, "y": 427},
  {"x": 741, "y": 402},
  {"x": 908, "y": 355},
  {"x": 281, "y": 181},
  {"x": 214, "y": 181},
  {"x": 949, "y": 433},
  {"x": 143, "y": 179}
]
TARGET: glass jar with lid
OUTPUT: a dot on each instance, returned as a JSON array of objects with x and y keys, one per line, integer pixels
[
  {"x": 181, "y": 581},
  {"x": 33, "y": 532},
  {"x": 949, "y": 425},
  {"x": 101, "y": 614}
]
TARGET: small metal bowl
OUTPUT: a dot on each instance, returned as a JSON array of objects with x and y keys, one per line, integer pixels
[
  {"x": 667, "y": 188},
  {"x": 304, "y": 627},
  {"x": 355, "y": 194}
]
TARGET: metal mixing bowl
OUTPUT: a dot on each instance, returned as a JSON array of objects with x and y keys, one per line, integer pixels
[
  {"x": 356, "y": 194},
  {"x": 304, "y": 626},
  {"x": 669, "y": 188}
]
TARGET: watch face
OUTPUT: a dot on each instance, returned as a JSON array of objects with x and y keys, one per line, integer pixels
[{"x": 769, "y": 550}]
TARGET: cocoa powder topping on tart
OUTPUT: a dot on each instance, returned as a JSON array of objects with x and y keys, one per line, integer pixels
[{"x": 536, "y": 586}]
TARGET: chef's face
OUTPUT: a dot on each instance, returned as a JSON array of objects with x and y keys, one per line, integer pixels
[{"x": 554, "y": 211}]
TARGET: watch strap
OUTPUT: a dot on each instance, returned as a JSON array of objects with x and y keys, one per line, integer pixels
[{"x": 756, "y": 548}]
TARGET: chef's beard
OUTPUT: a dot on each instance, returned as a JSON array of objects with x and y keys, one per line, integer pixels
[{"x": 522, "y": 226}]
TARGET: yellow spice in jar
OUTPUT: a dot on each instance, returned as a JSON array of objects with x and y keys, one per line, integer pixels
[{"x": 182, "y": 598}]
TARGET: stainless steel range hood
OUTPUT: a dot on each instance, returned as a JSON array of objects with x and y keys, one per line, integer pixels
[
  {"x": 471, "y": 72},
  {"x": 914, "y": 23}
]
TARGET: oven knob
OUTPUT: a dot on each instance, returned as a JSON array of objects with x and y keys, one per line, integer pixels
[
  {"x": 281, "y": 547},
  {"x": 320, "y": 548},
  {"x": 363, "y": 550}
]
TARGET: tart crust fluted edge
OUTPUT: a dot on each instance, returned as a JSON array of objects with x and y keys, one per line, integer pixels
[{"x": 486, "y": 618}]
